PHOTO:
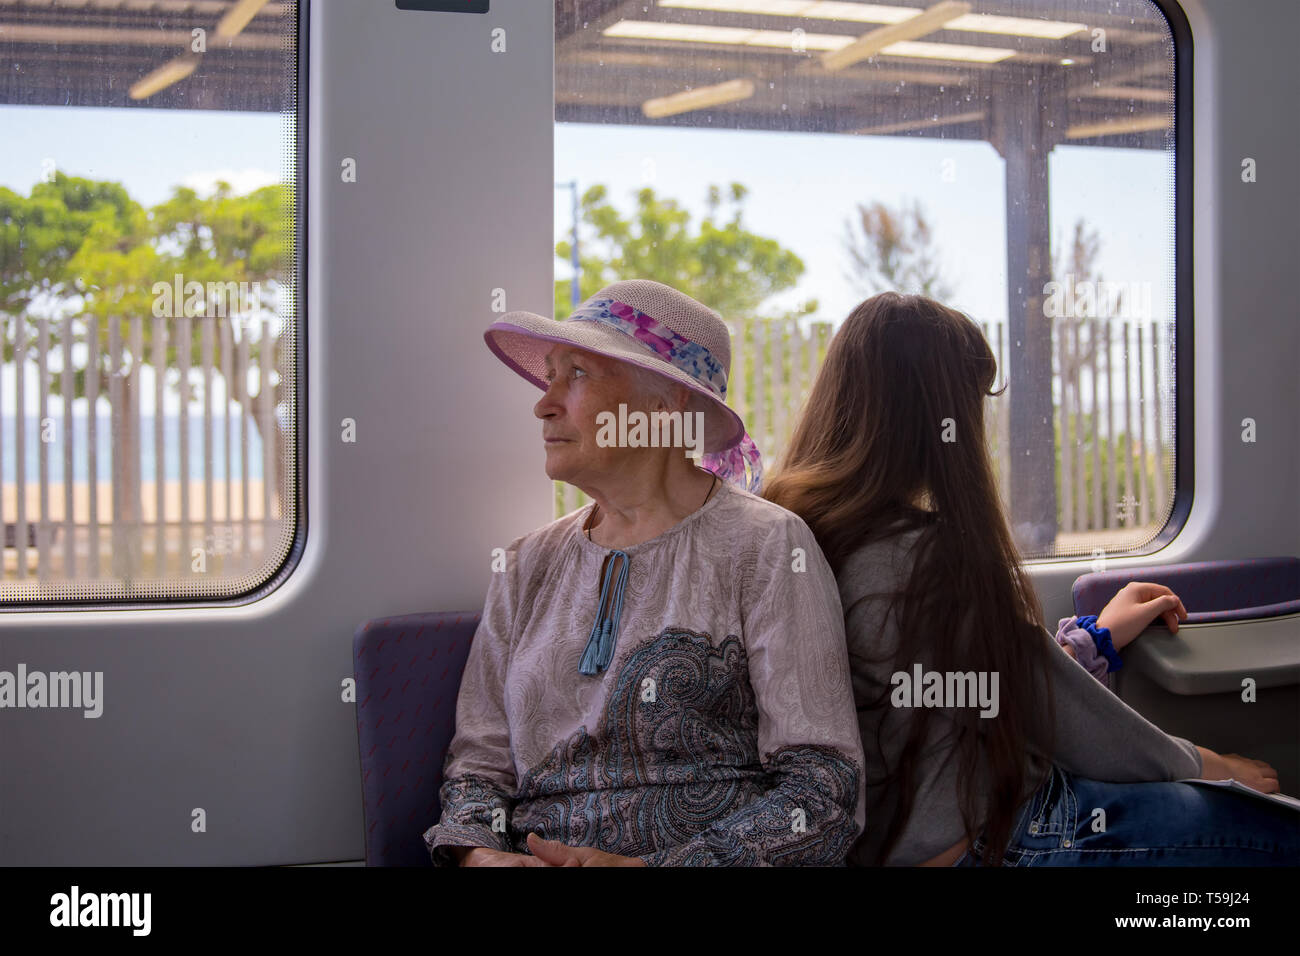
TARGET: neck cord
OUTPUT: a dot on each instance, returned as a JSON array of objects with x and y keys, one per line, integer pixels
[{"x": 604, "y": 632}]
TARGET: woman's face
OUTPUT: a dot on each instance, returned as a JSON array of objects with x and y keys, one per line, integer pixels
[{"x": 581, "y": 385}]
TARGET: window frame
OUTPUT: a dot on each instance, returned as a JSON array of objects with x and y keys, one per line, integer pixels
[
  {"x": 1184, "y": 343},
  {"x": 1182, "y": 489},
  {"x": 277, "y": 576}
]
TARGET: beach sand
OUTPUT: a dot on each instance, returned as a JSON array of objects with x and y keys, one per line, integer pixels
[{"x": 232, "y": 547}]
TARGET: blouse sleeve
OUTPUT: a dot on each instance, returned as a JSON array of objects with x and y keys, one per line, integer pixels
[
  {"x": 479, "y": 787},
  {"x": 808, "y": 737}
]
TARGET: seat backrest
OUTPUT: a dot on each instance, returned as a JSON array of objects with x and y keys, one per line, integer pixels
[
  {"x": 1210, "y": 590},
  {"x": 408, "y": 671}
]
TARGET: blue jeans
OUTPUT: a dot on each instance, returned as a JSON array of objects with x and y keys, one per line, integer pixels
[{"x": 1146, "y": 824}]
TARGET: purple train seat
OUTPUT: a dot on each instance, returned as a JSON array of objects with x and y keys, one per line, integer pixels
[
  {"x": 408, "y": 671},
  {"x": 1212, "y": 591}
]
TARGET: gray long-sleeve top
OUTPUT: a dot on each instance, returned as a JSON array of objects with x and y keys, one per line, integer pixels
[{"x": 1097, "y": 735}]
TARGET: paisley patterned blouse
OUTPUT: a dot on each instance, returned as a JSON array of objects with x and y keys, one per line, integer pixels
[{"x": 723, "y": 731}]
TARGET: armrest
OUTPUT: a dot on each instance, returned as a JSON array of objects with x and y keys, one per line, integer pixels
[
  {"x": 1214, "y": 658},
  {"x": 1243, "y": 620},
  {"x": 1212, "y": 591}
]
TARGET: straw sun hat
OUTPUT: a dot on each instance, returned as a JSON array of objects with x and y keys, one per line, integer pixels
[{"x": 654, "y": 327}]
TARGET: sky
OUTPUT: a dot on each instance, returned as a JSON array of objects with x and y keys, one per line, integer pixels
[{"x": 803, "y": 187}]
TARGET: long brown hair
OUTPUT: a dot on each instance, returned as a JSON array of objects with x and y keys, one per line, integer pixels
[{"x": 892, "y": 439}]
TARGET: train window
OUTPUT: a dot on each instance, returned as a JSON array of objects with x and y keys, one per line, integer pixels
[
  {"x": 149, "y": 281},
  {"x": 782, "y": 159}
]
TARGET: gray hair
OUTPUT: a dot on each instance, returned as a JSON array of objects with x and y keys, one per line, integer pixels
[{"x": 651, "y": 388}]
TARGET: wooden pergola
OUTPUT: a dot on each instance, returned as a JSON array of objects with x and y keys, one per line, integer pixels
[{"x": 92, "y": 52}]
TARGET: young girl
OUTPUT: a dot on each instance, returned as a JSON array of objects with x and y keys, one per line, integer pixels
[{"x": 889, "y": 468}]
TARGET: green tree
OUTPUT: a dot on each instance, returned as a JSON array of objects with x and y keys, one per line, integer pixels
[
  {"x": 229, "y": 238},
  {"x": 41, "y": 236},
  {"x": 1078, "y": 263},
  {"x": 722, "y": 264},
  {"x": 87, "y": 249},
  {"x": 893, "y": 250}
]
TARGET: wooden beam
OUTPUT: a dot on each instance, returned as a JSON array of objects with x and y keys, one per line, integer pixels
[
  {"x": 699, "y": 98},
  {"x": 869, "y": 44},
  {"x": 1140, "y": 94},
  {"x": 1101, "y": 73},
  {"x": 595, "y": 26},
  {"x": 922, "y": 123},
  {"x": 111, "y": 36},
  {"x": 1119, "y": 127}
]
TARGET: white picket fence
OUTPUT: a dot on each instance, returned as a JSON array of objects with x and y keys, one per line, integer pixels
[
  {"x": 1111, "y": 380},
  {"x": 138, "y": 525}
]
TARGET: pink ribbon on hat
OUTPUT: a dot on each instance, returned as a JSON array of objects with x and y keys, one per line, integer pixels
[
  {"x": 729, "y": 465},
  {"x": 696, "y": 361}
]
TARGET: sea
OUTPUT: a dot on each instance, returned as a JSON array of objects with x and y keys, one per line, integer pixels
[{"x": 148, "y": 450}]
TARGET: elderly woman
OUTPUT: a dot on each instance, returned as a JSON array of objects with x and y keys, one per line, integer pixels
[{"x": 661, "y": 677}]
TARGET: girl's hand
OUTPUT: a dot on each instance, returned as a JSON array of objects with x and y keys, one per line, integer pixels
[
  {"x": 1255, "y": 774},
  {"x": 1136, "y": 606}
]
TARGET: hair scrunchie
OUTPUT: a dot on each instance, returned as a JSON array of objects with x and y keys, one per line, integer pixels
[{"x": 1101, "y": 637}]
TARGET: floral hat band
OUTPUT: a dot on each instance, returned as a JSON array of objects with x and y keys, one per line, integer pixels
[
  {"x": 610, "y": 323},
  {"x": 693, "y": 359}
]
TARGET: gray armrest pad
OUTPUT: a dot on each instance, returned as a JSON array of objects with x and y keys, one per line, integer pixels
[{"x": 1215, "y": 658}]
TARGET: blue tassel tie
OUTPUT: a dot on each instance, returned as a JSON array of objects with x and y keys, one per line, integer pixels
[{"x": 604, "y": 633}]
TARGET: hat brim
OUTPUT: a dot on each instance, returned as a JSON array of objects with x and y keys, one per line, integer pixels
[{"x": 522, "y": 339}]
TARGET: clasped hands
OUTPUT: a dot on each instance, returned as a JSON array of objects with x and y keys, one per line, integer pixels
[{"x": 545, "y": 853}]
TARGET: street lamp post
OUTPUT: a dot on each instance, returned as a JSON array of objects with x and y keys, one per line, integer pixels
[{"x": 573, "y": 186}]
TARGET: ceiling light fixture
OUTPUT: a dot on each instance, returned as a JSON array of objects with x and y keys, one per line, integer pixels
[
  {"x": 683, "y": 33},
  {"x": 876, "y": 13}
]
